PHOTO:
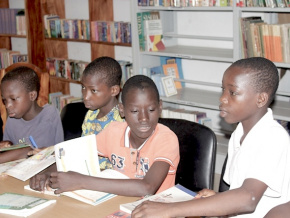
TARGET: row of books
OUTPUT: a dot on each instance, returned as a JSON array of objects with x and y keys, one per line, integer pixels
[
  {"x": 260, "y": 39},
  {"x": 193, "y": 116},
  {"x": 111, "y": 31},
  {"x": 127, "y": 70},
  {"x": 66, "y": 28},
  {"x": 65, "y": 68},
  {"x": 9, "y": 57},
  {"x": 12, "y": 21},
  {"x": 217, "y": 3},
  {"x": 264, "y": 3},
  {"x": 150, "y": 31},
  {"x": 59, "y": 100},
  {"x": 186, "y": 3}
]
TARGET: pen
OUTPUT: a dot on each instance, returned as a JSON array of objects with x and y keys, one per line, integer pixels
[{"x": 33, "y": 142}]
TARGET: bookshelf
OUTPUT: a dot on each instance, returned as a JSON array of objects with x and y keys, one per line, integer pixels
[
  {"x": 208, "y": 41},
  {"x": 39, "y": 48}
]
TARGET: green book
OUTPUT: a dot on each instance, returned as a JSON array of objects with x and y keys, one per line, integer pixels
[
  {"x": 22, "y": 205},
  {"x": 13, "y": 147},
  {"x": 141, "y": 17}
]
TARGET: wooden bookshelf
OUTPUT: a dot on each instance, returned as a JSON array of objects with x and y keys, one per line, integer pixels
[{"x": 39, "y": 48}]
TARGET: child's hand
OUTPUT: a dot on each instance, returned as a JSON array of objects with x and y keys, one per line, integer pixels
[
  {"x": 65, "y": 181},
  {"x": 34, "y": 151},
  {"x": 151, "y": 209},
  {"x": 40, "y": 182},
  {"x": 205, "y": 193},
  {"x": 5, "y": 144}
]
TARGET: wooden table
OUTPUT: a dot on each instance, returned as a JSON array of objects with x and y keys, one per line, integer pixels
[{"x": 64, "y": 207}]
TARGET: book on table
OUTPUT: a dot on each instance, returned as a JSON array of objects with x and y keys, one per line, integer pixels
[
  {"x": 24, "y": 169},
  {"x": 80, "y": 155},
  {"x": 22, "y": 205},
  {"x": 177, "y": 193}
]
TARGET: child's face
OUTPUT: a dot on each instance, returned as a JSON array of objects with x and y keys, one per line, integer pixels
[
  {"x": 17, "y": 100},
  {"x": 141, "y": 111},
  {"x": 96, "y": 94},
  {"x": 238, "y": 101}
]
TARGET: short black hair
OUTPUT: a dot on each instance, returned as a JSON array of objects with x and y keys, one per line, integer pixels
[
  {"x": 24, "y": 75},
  {"x": 139, "y": 82},
  {"x": 264, "y": 75},
  {"x": 107, "y": 69}
]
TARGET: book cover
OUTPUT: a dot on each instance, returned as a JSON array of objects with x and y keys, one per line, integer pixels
[
  {"x": 119, "y": 214},
  {"x": 172, "y": 70},
  {"x": 22, "y": 205},
  {"x": 177, "y": 193},
  {"x": 153, "y": 34},
  {"x": 32, "y": 165}
]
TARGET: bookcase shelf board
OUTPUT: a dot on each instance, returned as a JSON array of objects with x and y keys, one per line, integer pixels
[
  {"x": 161, "y": 8},
  {"x": 12, "y": 35},
  {"x": 197, "y": 53},
  {"x": 210, "y": 100}
]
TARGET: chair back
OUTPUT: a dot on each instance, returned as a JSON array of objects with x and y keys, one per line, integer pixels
[
  {"x": 197, "y": 145},
  {"x": 44, "y": 85},
  {"x": 72, "y": 117},
  {"x": 223, "y": 186}
]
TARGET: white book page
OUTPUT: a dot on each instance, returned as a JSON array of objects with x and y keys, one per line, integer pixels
[
  {"x": 78, "y": 155},
  {"x": 33, "y": 165}
]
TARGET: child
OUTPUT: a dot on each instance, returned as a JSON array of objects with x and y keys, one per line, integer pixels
[
  {"x": 19, "y": 90},
  {"x": 258, "y": 168},
  {"x": 142, "y": 149},
  {"x": 100, "y": 87}
]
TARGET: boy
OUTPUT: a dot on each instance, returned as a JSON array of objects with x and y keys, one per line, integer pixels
[
  {"x": 19, "y": 90},
  {"x": 100, "y": 87},
  {"x": 258, "y": 168},
  {"x": 142, "y": 149}
]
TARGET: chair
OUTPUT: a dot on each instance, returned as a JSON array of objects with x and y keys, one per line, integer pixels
[
  {"x": 72, "y": 116},
  {"x": 223, "y": 186},
  {"x": 197, "y": 144},
  {"x": 44, "y": 86}
]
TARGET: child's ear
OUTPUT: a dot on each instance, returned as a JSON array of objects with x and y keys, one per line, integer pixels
[
  {"x": 262, "y": 99},
  {"x": 115, "y": 90},
  {"x": 121, "y": 110},
  {"x": 33, "y": 95}
]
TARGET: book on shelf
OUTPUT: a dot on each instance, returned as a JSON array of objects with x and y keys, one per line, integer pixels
[
  {"x": 285, "y": 32},
  {"x": 177, "y": 193},
  {"x": 168, "y": 86},
  {"x": 153, "y": 33},
  {"x": 22, "y": 205},
  {"x": 80, "y": 155},
  {"x": 172, "y": 70},
  {"x": 141, "y": 17},
  {"x": 171, "y": 60},
  {"x": 24, "y": 169}
]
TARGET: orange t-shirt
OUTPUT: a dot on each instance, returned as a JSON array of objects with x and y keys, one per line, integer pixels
[{"x": 162, "y": 145}]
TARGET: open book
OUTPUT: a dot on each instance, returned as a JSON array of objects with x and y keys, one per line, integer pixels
[
  {"x": 26, "y": 168},
  {"x": 80, "y": 155},
  {"x": 176, "y": 193},
  {"x": 22, "y": 205}
]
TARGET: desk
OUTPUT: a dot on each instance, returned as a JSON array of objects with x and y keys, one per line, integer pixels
[{"x": 64, "y": 206}]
